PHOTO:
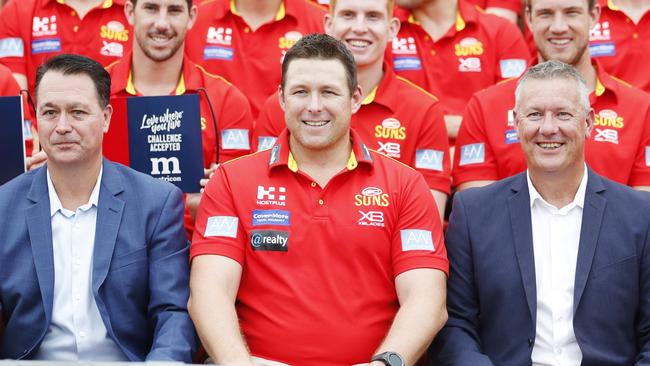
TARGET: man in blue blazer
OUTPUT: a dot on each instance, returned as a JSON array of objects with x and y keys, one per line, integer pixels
[
  {"x": 551, "y": 266},
  {"x": 93, "y": 255}
]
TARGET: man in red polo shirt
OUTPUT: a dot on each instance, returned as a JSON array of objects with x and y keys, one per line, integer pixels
[
  {"x": 621, "y": 39},
  {"x": 245, "y": 40},
  {"x": 452, "y": 49},
  {"x": 619, "y": 148},
  {"x": 158, "y": 66},
  {"x": 328, "y": 252},
  {"x": 396, "y": 118},
  {"x": 32, "y": 31}
]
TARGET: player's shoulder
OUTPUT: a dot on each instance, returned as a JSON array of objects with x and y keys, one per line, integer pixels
[{"x": 409, "y": 92}]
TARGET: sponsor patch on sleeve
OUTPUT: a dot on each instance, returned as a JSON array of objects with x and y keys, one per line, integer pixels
[
  {"x": 472, "y": 154},
  {"x": 225, "y": 226},
  {"x": 12, "y": 47},
  {"x": 235, "y": 139},
  {"x": 647, "y": 156},
  {"x": 602, "y": 49},
  {"x": 512, "y": 67},
  {"x": 512, "y": 137},
  {"x": 407, "y": 63},
  {"x": 218, "y": 53},
  {"x": 46, "y": 45},
  {"x": 413, "y": 239},
  {"x": 265, "y": 142},
  {"x": 429, "y": 159}
]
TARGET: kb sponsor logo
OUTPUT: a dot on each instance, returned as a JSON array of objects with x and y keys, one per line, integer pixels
[
  {"x": 270, "y": 240},
  {"x": 371, "y": 218},
  {"x": 372, "y": 196},
  {"x": 271, "y": 196}
]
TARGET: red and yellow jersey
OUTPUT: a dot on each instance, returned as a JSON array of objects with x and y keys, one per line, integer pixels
[
  {"x": 514, "y": 5},
  {"x": 621, "y": 46},
  {"x": 311, "y": 255},
  {"x": 224, "y": 44},
  {"x": 32, "y": 31},
  {"x": 398, "y": 119},
  {"x": 487, "y": 147},
  {"x": 477, "y": 51}
]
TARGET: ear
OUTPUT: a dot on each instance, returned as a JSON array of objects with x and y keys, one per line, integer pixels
[
  {"x": 393, "y": 28},
  {"x": 194, "y": 12},
  {"x": 281, "y": 97},
  {"x": 589, "y": 120},
  {"x": 107, "y": 113},
  {"x": 328, "y": 24},
  {"x": 129, "y": 10},
  {"x": 357, "y": 98},
  {"x": 594, "y": 15}
]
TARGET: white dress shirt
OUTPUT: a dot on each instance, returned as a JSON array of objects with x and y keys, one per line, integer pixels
[
  {"x": 556, "y": 237},
  {"x": 76, "y": 331}
]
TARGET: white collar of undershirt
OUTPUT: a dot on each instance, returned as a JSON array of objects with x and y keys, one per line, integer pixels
[
  {"x": 55, "y": 202},
  {"x": 578, "y": 200}
]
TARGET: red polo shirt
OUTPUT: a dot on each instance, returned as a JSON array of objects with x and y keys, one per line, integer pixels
[
  {"x": 477, "y": 51},
  {"x": 514, "y": 5},
  {"x": 619, "y": 148},
  {"x": 319, "y": 263},
  {"x": 622, "y": 46},
  {"x": 32, "y": 31},
  {"x": 230, "y": 106},
  {"x": 223, "y": 43},
  {"x": 398, "y": 119}
]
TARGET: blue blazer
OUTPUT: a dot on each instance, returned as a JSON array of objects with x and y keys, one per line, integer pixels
[
  {"x": 491, "y": 289},
  {"x": 140, "y": 265}
]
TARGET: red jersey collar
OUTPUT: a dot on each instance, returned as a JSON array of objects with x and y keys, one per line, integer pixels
[
  {"x": 467, "y": 13},
  {"x": 104, "y": 5},
  {"x": 121, "y": 76},
  {"x": 386, "y": 93},
  {"x": 287, "y": 8},
  {"x": 281, "y": 154}
]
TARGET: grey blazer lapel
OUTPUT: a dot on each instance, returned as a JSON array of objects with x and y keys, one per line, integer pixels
[
  {"x": 522, "y": 234},
  {"x": 39, "y": 226}
]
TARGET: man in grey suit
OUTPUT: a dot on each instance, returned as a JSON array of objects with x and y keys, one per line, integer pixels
[{"x": 551, "y": 266}]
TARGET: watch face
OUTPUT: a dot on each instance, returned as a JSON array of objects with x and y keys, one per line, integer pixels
[{"x": 395, "y": 360}]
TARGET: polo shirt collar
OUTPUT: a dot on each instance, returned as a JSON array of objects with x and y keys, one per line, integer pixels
[
  {"x": 123, "y": 77},
  {"x": 606, "y": 83},
  {"x": 105, "y": 5},
  {"x": 610, "y": 4},
  {"x": 281, "y": 154},
  {"x": 466, "y": 13},
  {"x": 228, "y": 7},
  {"x": 384, "y": 93},
  {"x": 278, "y": 16}
]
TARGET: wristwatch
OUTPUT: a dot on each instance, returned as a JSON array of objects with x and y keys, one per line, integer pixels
[{"x": 389, "y": 359}]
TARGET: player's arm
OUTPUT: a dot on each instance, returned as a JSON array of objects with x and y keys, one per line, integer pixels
[
  {"x": 422, "y": 312},
  {"x": 441, "y": 202},
  {"x": 214, "y": 282},
  {"x": 21, "y": 80},
  {"x": 458, "y": 341},
  {"x": 452, "y": 122},
  {"x": 474, "y": 184}
]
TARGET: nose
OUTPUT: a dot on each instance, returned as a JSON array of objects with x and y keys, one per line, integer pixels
[
  {"x": 162, "y": 20},
  {"x": 63, "y": 124},
  {"x": 548, "y": 125},
  {"x": 359, "y": 24},
  {"x": 315, "y": 103},
  {"x": 559, "y": 24}
]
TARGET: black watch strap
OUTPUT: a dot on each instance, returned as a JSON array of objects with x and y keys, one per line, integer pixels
[{"x": 389, "y": 358}]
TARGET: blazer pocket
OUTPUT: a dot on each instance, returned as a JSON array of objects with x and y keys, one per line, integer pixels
[
  {"x": 617, "y": 265},
  {"x": 127, "y": 259}
]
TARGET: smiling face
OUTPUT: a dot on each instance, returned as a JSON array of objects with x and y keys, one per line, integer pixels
[
  {"x": 71, "y": 121},
  {"x": 552, "y": 125},
  {"x": 318, "y": 105},
  {"x": 561, "y": 29},
  {"x": 160, "y": 26},
  {"x": 364, "y": 26}
]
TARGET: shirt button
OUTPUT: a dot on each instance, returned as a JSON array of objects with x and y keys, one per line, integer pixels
[
  {"x": 246, "y": 30},
  {"x": 321, "y": 202},
  {"x": 635, "y": 35},
  {"x": 75, "y": 28},
  {"x": 73, "y": 13},
  {"x": 433, "y": 52},
  {"x": 313, "y": 184}
]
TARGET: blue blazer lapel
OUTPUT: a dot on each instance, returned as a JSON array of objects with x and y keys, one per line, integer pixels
[
  {"x": 109, "y": 215},
  {"x": 522, "y": 234},
  {"x": 592, "y": 216},
  {"x": 39, "y": 226}
]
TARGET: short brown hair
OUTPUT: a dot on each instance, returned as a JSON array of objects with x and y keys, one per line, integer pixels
[
  {"x": 390, "y": 6},
  {"x": 590, "y": 3}
]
